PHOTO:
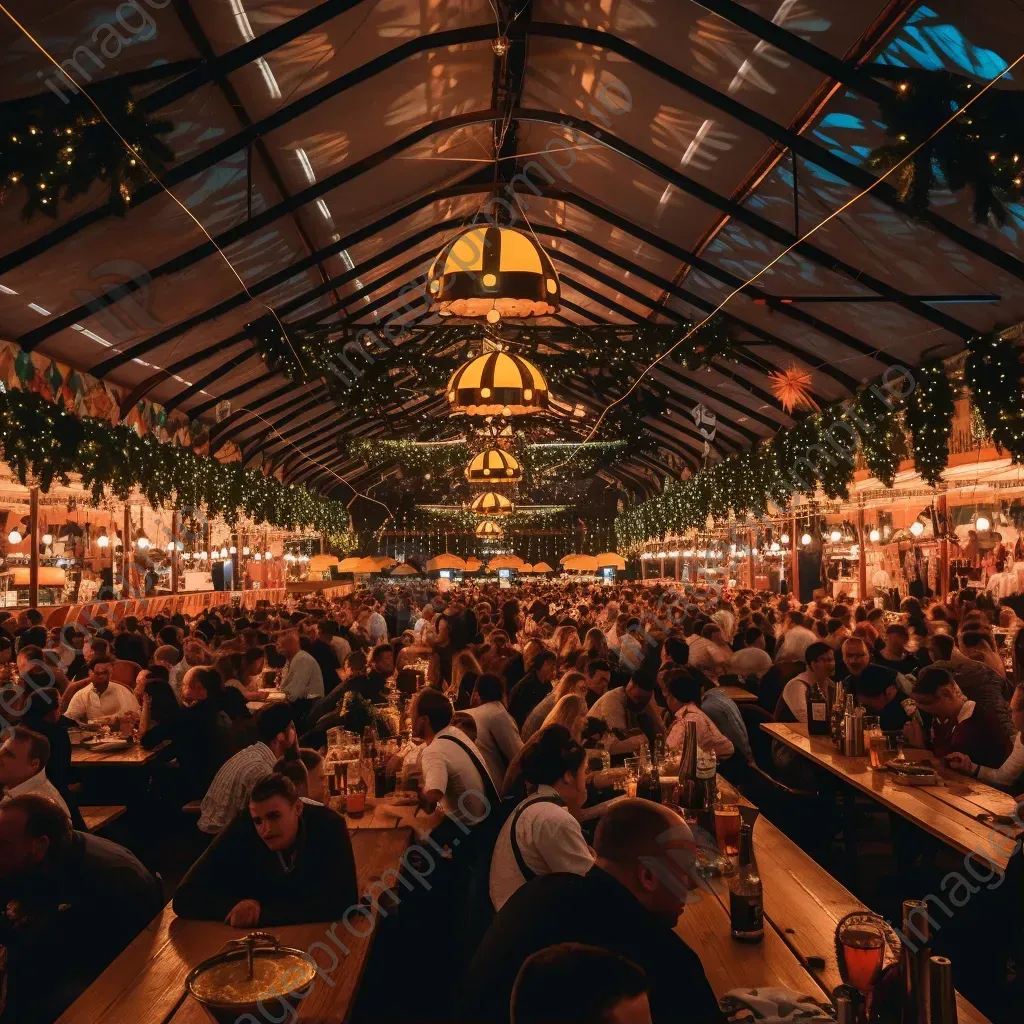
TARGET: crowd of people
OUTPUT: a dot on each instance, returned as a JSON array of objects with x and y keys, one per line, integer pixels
[{"x": 530, "y": 693}]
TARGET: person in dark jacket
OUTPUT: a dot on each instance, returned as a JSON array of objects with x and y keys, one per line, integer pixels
[
  {"x": 533, "y": 687},
  {"x": 200, "y": 733},
  {"x": 282, "y": 862},
  {"x": 628, "y": 903},
  {"x": 73, "y": 900},
  {"x": 130, "y": 644}
]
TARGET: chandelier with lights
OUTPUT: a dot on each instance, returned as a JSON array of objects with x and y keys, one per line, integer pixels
[
  {"x": 497, "y": 384},
  {"x": 493, "y": 272},
  {"x": 494, "y": 467},
  {"x": 491, "y": 503},
  {"x": 489, "y": 530}
]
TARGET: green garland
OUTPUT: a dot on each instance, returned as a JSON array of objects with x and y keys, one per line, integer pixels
[
  {"x": 41, "y": 437},
  {"x": 55, "y": 151},
  {"x": 363, "y": 371},
  {"x": 995, "y": 375},
  {"x": 879, "y": 434},
  {"x": 463, "y": 519},
  {"x": 983, "y": 148},
  {"x": 929, "y": 418}
]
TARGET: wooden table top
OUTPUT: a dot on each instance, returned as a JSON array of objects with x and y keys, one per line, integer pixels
[
  {"x": 738, "y": 694},
  {"x": 136, "y": 754},
  {"x": 949, "y": 812},
  {"x": 146, "y": 983},
  {"x": 803, "y": 904}
]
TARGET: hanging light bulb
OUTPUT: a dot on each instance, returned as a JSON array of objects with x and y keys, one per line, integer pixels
[
  {"x": 269, "y": 555},
  {"x": 874, "y": 536},
  {"x": 805, "y": 539},
  {"x": 102, "y": 540},
  {"x": 774, "y": 546},
  {"x": 232, "y": 550},
  {"x": 257, "y": 557},
  {"x": 245, "y": 550},
  {"x": 835, "y": 536},
  {"x": 917, "y": 527},
  {"x": 982, "y": 524},
  {"x": 170, "y": 547},
  {"x": 179, "y": 545},
  {"x": 15, "y": 537},
  {"x": 223, "y": 552},
  {"x": 784, "y": 538},
  {"x": 142, "y": 542},
  {"x": 47, "y": 539}
]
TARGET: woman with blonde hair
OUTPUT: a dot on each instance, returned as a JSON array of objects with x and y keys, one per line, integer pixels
[
  {"x": 566, "y": 644},
  {"x": 466, "y": 671},
  {"x": 570, "y": 711},
  {"x": 595, "y": 645},
  {"x": 571, "y": 682}
]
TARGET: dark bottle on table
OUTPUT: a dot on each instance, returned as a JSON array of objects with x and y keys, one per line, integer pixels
[
  {"x": 648, "y": 786},
  {"x": 691, "y": 793},
  {"x": 369, "y": 743},
  {"x": 357, "y": 798},
  {"x": 746, "y": 897},
  {"x": 380, "y": 776},
  {"x": 818, "y": 718}
]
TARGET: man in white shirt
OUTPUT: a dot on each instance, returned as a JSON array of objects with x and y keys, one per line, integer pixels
[
  {"x": 794, "y": 643},
  {"x": 302, "y": 676},
  {"x": 374, "y": 623},
  {"x": 23, "y": 760},
  {"x": 101, "y": 699},
  {"x": 821, "y": 663},
  {"x": 542, "y": 836},
  {"x": 751, "y": 660},
  {"x": 497, "y": 737},
  {"x": 631, "y": 646},
  {"x": 454, "y": 772}
]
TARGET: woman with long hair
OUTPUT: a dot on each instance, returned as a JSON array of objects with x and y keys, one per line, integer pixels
[
  {"x": 570, "y": 682},
  {"x": 511, "y": 619},
  {"x": 466, "y": 671},
  {"x": 595, "y": 645},
  {"x": 570, "y": 711},
  {"x": 566, "y": 644}
]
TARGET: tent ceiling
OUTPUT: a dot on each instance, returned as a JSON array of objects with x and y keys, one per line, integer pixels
[{"x": 375, "y": 132}]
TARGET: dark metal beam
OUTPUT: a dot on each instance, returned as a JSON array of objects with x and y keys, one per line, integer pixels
[{"x": 681, "y": 181}]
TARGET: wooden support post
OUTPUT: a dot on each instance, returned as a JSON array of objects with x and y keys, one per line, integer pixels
[
  {"x": 33, "y": 556},
  {"x": 175, "y": 554},
  {"x": 236, "y": 583},
  {"x": 751, "y": 568},
  {"x": 126, "y": 552},
  {"x": 677, "y": 566},
  {"x": 940, "y": 512},
  {"x": 862, "y": 561},
  {"x": 643, "y": 566},
  {"x": 794, "y": 567}
]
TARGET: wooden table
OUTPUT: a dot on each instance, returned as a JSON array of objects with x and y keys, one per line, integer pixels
[
  {"x": 146, "y": 983},
  {"x": 136, "y": 754},
  {"x": 948, "y": 811},
  {"x": 803, "y": 904},
  {"x": 738, "y": 694}
]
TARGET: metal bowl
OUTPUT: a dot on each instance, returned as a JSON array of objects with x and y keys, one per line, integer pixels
[{"x": 252, "y": 973}]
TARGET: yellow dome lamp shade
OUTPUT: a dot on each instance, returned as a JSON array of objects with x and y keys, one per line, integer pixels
[
  {"x": 494, "y": 467},
  {"x": 491, "y": 503},
  {"x": 497, "y": 384},
  {"x": 489, "y": 530},
  {"x": 493, "y": 272}
]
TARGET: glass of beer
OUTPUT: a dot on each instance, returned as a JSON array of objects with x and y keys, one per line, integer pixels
[{"x": 727, "y": 829}]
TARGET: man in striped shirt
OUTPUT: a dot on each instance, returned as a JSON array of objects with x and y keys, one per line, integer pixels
[{"x": 229, "y": 792}]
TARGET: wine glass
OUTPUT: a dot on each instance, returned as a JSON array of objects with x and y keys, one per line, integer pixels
[{"x": 863, "y": 943}]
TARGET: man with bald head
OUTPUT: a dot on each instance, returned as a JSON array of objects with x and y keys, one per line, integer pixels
[{"x": 628, "y": 903}]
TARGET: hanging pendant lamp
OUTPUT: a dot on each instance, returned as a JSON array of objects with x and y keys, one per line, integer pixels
[
  {"x": 497, "y": 384},
  {"x": 494, "y": 466}
]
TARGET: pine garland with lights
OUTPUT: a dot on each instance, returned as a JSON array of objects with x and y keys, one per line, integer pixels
[
  {"x": 983, "y": 148},
  {"x": 878, "y": 432},
  {"x": 994, "y": 373},
  {"x": 929, "y": 419},
  {"x": 55, "y": 152},
  {"x": 42, "y": 438}
]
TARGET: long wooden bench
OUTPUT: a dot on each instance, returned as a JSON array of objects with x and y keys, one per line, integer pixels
[
  {"x": 98, "y": 816},
  {"x": 146, "y": 983}
]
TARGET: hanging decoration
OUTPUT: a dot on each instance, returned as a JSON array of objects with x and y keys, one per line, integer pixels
[
  {"x": 995, "y": 375},
  {"x": 41, "y": 437},
  {"x": 493, "y": 272},
  {"x": 491, "y": 503},
  {"x": 982, "y": 149},
  {"x": 497, "y": 384},
  {"x": 489, "y": 530},
  {"x": 878, "y": 433},
  {"x": 929, "y": 419},
  {"x": 494, "y": 467},
  {"x": 793, "y": 387},
  {"x": 55, "y": 151}
]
